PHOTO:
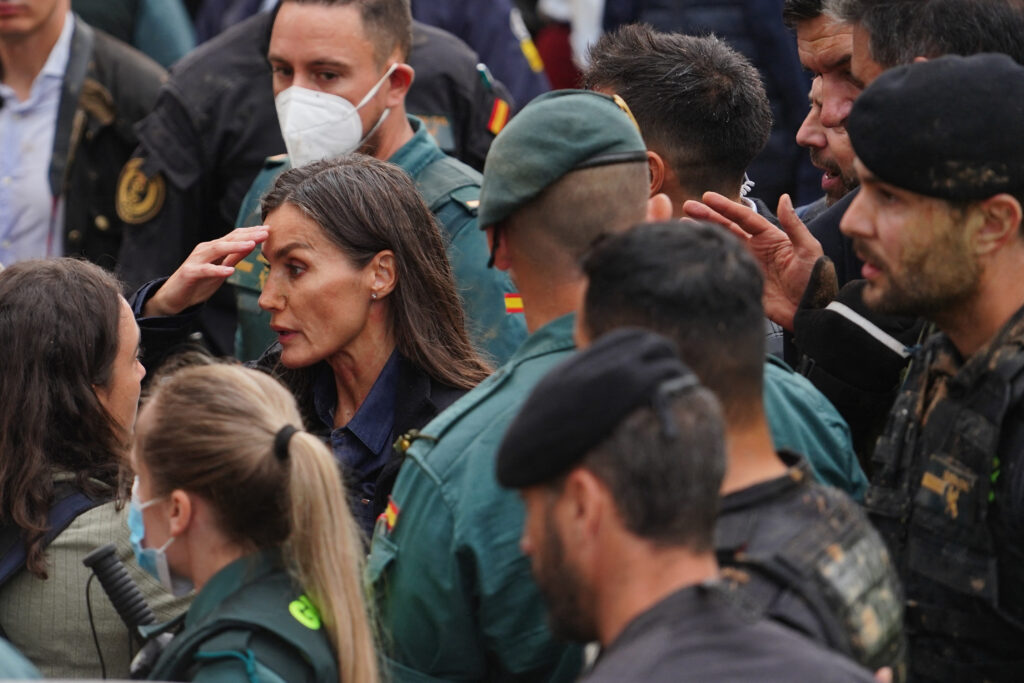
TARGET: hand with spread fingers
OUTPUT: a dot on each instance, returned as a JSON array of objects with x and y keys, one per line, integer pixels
[
  {"x": 204, "y": 271},
  {"x": 787, "y": 256}
]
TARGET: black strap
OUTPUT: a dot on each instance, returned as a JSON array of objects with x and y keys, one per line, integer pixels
[
  {"x": 776, "y": 572},
  {"x": 68, "y": 503},
  {"x": 78, "y": 66}
]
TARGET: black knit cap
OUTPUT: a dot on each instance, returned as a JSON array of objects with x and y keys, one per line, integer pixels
[
  {"x": 951, "y": 128},
  {"x": 580, "y": 402}
]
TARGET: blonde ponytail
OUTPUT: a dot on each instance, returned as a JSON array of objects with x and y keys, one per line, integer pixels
[
  {"x": 213, "y": 430},
  {"x": 325, "y": 538}
]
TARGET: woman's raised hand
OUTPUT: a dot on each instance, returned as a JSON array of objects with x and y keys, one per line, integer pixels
[{"x": 204, "y": 271}]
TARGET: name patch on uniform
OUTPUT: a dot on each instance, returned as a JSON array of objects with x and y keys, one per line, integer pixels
[
  {"x": 139, "y": 197},
  {"x": 947, "y": 486},
  {"x": 305, "y": 612}
]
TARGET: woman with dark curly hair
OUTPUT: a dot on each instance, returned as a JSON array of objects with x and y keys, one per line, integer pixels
[{"x": 70, "y": 387}]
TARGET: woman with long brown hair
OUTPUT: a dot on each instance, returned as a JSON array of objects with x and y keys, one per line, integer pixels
[
  {"x": 69, "y": 387},
  {"x": 371, "y": 332},
  {"x": 236, "y": 499}
]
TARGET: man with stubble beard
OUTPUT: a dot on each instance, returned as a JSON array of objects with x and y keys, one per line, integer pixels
[
  {"x": 938, "y": 224},
  {"x": 830, "y": 152}
]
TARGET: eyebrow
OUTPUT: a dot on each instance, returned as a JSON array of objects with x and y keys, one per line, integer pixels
[
  {"x": 323, "y": 61},
  {"x": 842, "y": 61}
]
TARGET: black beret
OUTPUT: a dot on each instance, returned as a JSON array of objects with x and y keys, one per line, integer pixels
[
  {"x": 580, "y": 402},
  {"x": 951, "y": 127}
]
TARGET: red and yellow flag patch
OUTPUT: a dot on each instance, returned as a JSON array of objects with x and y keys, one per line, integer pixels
[
  {"x": 513, "y": 303},
  {"x": 389, "y": 516},
  {"x": 499, "y": 116}
]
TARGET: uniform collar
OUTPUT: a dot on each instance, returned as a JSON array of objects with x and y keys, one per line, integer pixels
[
  {"x": 231, "y": 578},
  {"x": 947, "y": 362},
  {"x": 57, "y": 63},
  {"x": 416, "y": 153},
  {"x": 797, "y": 474},
  {"x": 556, "y": 335}
]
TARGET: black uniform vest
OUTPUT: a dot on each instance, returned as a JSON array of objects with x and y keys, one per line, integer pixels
[
  {"x": 804, "y": 555},
  {"x": 932, "y": 498}
]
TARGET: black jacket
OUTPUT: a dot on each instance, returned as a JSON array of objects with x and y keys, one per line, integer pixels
[{"x": 107, "y": 88}]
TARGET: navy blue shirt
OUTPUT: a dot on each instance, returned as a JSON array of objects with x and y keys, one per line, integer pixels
[{"x": 362, "y": 446}]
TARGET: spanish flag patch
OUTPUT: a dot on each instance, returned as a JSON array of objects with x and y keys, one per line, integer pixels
[
  {"x": 499, "y": 116},
  {"x": 513, "y": 303},
  {"x": 389, "y": 516}
]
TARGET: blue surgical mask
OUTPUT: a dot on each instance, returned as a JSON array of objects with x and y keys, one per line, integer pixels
[{"x": 152, "y": 560}]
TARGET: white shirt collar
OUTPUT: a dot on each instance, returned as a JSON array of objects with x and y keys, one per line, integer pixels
[{"x": 57, "y": 63}]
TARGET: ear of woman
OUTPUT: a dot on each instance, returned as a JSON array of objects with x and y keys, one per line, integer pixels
[
  {"x": 180, "y": 512},
  {"x": 385, "y": 273}
]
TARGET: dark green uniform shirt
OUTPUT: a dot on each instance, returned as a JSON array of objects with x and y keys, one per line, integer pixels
[
  {"x": 802, "y": 420},
  {"x": 453, "y": 590},
  {"x": 250, "y": 623}
]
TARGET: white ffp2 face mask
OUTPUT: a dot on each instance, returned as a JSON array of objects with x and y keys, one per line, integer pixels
[{"x": 317, "y": 125}]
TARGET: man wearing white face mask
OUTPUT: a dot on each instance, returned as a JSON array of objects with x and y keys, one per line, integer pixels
[{"x": 340, "y": 83}]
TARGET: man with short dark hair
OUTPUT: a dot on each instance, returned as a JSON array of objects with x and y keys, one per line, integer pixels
[
  {"x": 789, "y": 539},
  {"x": 829, "y": 146},
  {"x": 699, "y": 104},
  {"x": 618, "y": 455},
  {"x": 453, "y": 591},
  {"x": 938, "y": 224},
  {"x": 889, "y": 33},
  {"x": 825, "y": 47},
  {"x": 701, "y": 108}
]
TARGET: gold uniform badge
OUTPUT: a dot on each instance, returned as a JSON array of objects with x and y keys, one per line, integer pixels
[{"x": 139, "y": 197}]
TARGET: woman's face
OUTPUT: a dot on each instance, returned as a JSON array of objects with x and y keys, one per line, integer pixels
[
  {"x": 318, "y": 300},
  {"x": 120, "y": 395}
]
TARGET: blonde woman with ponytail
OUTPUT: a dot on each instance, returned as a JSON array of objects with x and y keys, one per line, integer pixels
[{"x": 233, "y": 497}]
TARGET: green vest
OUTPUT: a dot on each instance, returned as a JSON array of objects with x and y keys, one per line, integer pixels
[{"x": 265, "y": 623}]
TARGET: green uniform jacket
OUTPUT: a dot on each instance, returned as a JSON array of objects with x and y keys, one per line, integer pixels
[
  {"x": 802, "y": 420},
  {"x": 249, "y": 623},
  {"x": 451, "y": 190},
  {"x": 453, "y": 591}
]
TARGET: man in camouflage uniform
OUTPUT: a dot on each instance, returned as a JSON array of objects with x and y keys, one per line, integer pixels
[{"x": 937, "y": 222}]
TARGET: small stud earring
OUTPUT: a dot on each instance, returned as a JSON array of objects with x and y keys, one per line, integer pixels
[{"x": 373, "y": 296}]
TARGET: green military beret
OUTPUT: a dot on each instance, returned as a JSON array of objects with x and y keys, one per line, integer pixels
[{"x": 558, "y": 132}]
